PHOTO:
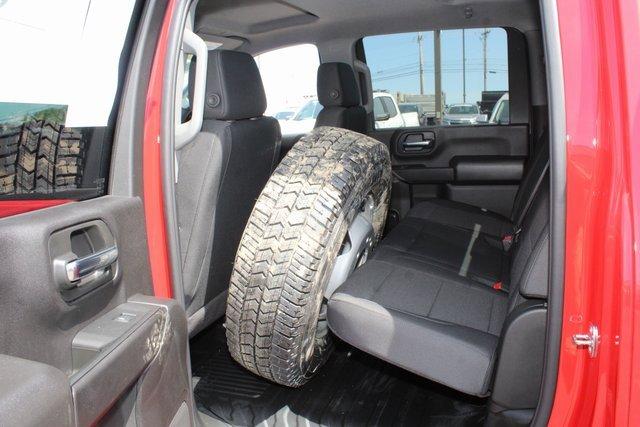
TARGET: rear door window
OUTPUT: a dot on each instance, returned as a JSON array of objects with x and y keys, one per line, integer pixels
[
  {"x": 58, "y": 102},
  {"x": 452, "y": 77}
]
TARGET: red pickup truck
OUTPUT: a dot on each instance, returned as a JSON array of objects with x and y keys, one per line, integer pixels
[{"x": 170, "y": 257}]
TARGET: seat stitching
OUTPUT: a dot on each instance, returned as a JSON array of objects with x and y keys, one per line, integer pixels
[
  {"x": 197, "y": 207},
  {"x": 377, "y": 289},
  {"x": 474, "y": 285},
  {"x": 493, "y": 301},
  {"x": 435, "y": 299}
]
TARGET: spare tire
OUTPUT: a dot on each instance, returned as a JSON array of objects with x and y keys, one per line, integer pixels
[{"x": 275, "y": 317}]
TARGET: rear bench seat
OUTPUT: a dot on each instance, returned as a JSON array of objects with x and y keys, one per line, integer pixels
[
  {"x": 443, "y": 297},
  {"x": 466, "y": 239}
]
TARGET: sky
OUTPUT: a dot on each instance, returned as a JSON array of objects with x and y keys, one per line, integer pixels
[
  {"x": 393, "y": 61},
  {"x": 289, "y": 76}
]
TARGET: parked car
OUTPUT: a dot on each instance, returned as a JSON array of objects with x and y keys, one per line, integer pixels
[
  {"x": 302, "y": 120},
  {"x": 463, "y": 114},
  {"x": 284, "y": 115},
  {"x": 413, "y": 115},
  {"x": 386, "y": 112},
  {"x": 500, "y": 112}
]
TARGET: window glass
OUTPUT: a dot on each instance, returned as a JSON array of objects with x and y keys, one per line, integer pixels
[
  {"x": 471, "y": 73},
  {"x": 378, "y": 108},
  {"x": 307, "y": 111},
  {"x": 389, "y": 107},
  {"x": 57, "y": 106},
  {"x": 289, "y": 78}
]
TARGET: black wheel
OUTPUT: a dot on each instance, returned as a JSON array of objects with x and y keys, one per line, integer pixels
[
  {"x": 329, "y": 181},
  {"x": 39, "y": 157}
]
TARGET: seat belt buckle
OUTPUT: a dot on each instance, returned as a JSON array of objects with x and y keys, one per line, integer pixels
[
  {"x": 509, "y": 239},
  {"x": 497, "y": 286}
]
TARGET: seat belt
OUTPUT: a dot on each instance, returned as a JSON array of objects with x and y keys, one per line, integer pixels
[{"x": 510, "y": 239}]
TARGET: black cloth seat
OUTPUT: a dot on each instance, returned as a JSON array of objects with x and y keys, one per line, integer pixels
[
  {"x": 428, "y": 318},
  {"x": 464, "y": 238},
  {"x": 461, "y": 215},
  {"x": 467, "y": 253},
  {"x": 339, "y": 95},
  {"x": 220, "y": 175}
]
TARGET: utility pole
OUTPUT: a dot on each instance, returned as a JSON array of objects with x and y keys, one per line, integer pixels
[
  {"x": 484, "y": 36},
  {"x": 464, "y": 71},
  {"x": 438, "y": 75},
  {"x": 421, "y": 66}
]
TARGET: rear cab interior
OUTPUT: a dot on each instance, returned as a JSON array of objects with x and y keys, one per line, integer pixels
[
  {"x": 452, "y": 306},
  {"x": 127, "y": 182}
]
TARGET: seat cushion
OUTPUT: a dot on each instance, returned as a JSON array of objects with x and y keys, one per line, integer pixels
[
  {"x": 422, "y": 318},
  {"x": 466, "y": 252},
  {"x": 461, "y": 215}
]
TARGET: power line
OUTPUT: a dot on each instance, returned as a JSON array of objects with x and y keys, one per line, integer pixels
[{"x": 443, "y": 71}]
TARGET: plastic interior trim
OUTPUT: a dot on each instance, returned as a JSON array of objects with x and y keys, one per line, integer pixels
[{"x": 185, "y": 132}]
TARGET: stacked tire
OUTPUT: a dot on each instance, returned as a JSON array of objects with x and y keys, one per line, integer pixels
[
  {"x": 275, "y": 321},
  {"x": 39, "y": 157}
]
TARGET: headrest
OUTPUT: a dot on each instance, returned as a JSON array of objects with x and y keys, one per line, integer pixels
[
  {"x": 234, "y": 87},
  {"x": 337, "y": 85}
]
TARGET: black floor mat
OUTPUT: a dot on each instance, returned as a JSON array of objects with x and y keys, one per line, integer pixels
[{"x": 351, "y": 389}]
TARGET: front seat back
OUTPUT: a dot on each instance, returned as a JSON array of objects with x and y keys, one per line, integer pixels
[
  {"x": 338, "y": 93},
  {"x": 220, "y": 175}
]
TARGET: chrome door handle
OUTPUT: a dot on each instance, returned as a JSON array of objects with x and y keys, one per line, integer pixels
[
  {"x": 82, "y": 267},
  {"x": 425, "y": 143},
  {"x": 418, "y": 146}
]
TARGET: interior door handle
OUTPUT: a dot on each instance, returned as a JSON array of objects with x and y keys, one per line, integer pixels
[
  {"x": 418, "y": 144},
  {"x": 97, "y": 262}
]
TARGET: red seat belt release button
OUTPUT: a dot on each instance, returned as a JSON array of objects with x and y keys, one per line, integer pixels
[
  {"x": 507, "y": 240},
  {"x": 497, "y": 286}
]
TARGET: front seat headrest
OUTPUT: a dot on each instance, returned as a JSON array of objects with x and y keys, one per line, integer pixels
[
  {"x": 234, "y": 87},
  {"x": 337, "y": 85}
]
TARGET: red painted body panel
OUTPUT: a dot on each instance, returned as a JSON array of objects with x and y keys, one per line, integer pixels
[
  {"x": 15, "y": 207},
  {"x": 601, "y": 62},
  {"x": 152, "y": 169}
]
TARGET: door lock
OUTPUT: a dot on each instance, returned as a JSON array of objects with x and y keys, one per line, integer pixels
[{"x": 590, "y": 341}]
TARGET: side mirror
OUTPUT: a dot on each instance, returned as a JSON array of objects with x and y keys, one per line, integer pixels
[
  {"x": 482, "y": 118},
  {"x": 382, "y": 117}
]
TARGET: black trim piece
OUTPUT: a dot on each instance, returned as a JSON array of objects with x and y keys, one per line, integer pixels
[
  {"x": 555, "y": 89},
  {"x": 519, "y": 79}
]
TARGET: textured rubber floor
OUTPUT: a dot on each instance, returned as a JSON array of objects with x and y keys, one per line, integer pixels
[{"x": 352, "y": 389}]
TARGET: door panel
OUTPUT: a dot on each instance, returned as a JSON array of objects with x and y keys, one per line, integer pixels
[
  {"x": 33, "y": 393},
  {"x": 479, "y": 165},
  {"x": 112, "y": 342}
]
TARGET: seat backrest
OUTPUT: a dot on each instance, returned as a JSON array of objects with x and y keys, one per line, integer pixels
[
  {"x": 530, "y": 261},
  {"x": 220, "y": 175},
  {"x": 534, "y": 173},
  {"x": 339, "y": 95}
]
